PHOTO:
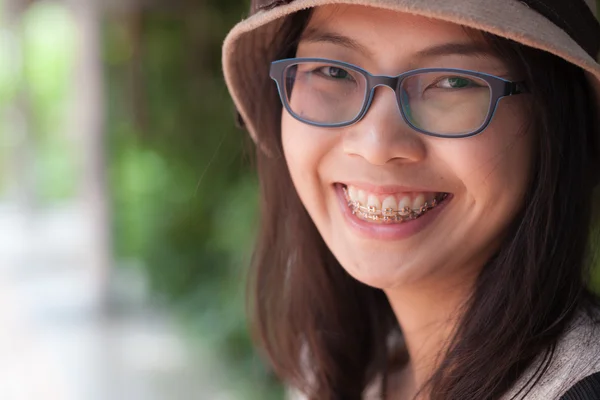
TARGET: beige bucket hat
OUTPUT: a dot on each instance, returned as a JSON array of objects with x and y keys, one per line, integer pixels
[{"x": 566, "y": 28}]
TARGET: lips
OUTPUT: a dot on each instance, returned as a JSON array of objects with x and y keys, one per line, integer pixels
[{"x": 378, "y": 227}]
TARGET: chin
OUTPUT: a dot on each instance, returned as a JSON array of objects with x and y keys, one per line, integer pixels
[{"x": 382, "y": 273}]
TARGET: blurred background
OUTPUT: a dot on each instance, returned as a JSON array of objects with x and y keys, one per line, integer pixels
[{"x": 127, "y": 204}]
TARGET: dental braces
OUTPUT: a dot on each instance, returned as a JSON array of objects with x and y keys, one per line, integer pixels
[{"x": 389, "y": 214}]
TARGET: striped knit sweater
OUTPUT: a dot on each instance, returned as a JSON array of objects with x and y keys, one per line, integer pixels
[{"x": 570, "y": 375}]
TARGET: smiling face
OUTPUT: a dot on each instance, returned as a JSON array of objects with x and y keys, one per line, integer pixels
[{"x": 478, "y": 183}]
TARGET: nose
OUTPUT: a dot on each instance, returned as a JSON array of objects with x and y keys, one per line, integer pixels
[{"x": 382, "y": 136}]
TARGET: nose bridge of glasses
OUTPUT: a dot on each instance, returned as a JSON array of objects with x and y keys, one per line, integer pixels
[
  {"x": 375, "y": 81},
  {"x": 382, "y": 80}
]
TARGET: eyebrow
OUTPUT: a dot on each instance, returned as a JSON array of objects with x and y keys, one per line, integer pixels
[
  {"x": 467, "y": 49},
  {"x": 313, "y": 35}
]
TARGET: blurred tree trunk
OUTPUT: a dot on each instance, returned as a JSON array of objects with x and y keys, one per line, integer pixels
[{"x": 87, "y": 122}]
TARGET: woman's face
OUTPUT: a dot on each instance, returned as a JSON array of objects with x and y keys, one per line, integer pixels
[{"x": 382, "y": 162}]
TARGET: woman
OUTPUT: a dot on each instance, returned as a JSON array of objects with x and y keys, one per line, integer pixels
[{"x": 430, "y": 241}]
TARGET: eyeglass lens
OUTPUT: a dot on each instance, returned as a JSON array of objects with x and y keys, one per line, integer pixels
[{"x": 444, "y": 103}]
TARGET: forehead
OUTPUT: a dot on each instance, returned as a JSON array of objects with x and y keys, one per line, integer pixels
[
  {"x": 383, "y": 29},
  {"x": 387, "y": 42}
]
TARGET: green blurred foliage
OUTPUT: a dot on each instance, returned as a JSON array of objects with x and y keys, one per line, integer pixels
[
  {"x": 49, "y": 46},
  {"x": 185, "y": 197},
  {"x": 37, "y": 57},
  {"x": 10, "y": 73}
]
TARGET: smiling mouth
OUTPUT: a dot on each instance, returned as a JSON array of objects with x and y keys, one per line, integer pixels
[{"x": 389, "y": 212}]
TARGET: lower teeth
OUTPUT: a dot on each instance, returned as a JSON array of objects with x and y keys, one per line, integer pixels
[{"x": 391, "y": 216}]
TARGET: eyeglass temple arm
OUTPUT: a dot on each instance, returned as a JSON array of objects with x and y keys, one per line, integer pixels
[{"x": 515, "y": 88}]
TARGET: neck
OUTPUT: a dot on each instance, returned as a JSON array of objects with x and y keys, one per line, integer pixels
[{"x": 427, "y": 314}]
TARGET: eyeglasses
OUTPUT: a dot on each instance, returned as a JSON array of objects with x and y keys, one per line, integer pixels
[{"x": 442, "y": 102}]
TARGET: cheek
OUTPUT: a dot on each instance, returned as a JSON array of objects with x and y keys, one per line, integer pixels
[
  {"x": 304, "y": 149},
  {"x": 493, "y": 162},
  {"x": 495, "y": 167},
  {"x": 300, "y": 154}
]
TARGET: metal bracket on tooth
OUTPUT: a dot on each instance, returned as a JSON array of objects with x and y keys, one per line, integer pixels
[{"x": 389, "y": 215}]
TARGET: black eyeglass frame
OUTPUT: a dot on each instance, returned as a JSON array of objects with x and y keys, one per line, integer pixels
[{"x": 499, "y": 87}]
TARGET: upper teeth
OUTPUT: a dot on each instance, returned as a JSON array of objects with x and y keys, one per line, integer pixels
[{"x": 395, "y": 202}]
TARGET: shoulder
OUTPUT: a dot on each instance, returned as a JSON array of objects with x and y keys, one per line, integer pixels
[{"x": 576, "y": 357}]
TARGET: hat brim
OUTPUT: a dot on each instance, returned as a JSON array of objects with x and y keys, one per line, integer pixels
[{"x": 250, "y": 46}]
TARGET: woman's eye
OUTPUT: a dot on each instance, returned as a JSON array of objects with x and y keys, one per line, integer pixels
[
  {"x": 455, "y": 82},
  {"x": 334, "y": 72}
]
